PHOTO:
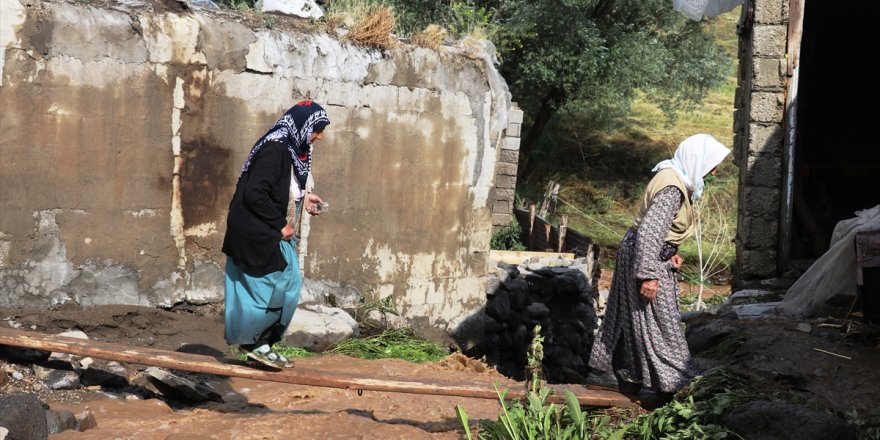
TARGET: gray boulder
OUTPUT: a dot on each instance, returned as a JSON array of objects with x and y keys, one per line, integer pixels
[
  {"x": 783, "y": 421},
  {"x": 23, "y": 416}
]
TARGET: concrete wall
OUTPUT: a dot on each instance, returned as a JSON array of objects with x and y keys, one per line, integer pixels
[
  {"x": 758, "y": 128},
  {"x": 123, "y": 130}
]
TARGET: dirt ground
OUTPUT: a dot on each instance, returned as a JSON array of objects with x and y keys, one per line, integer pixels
[
  {"x": 780, "y": 357},
  {"x": 251, "y": 409}
]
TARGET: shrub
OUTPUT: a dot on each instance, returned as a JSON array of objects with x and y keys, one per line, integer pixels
[{"x": 507, "y": 238}]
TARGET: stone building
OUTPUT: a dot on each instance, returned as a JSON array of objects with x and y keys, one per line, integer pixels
[
  {"x": 123, "y": 129},
  {"x": 804, "y": 140}
]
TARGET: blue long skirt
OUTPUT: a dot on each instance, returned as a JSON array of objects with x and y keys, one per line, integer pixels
[{"x": 254, "y": 304}]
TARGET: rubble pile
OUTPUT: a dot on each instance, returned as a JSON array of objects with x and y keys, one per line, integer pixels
[{"x": 557, "y": 294}]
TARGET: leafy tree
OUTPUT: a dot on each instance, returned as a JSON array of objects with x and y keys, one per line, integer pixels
[{"x": 593, "y": 56}]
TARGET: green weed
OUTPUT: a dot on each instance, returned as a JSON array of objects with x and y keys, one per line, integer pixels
[
  {"x": 508, "y": 237},
  {"x": 867, "y": 426},
  {"x": 533, "y": 418}
]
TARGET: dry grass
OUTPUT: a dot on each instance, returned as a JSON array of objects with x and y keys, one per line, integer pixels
[
  {"x": 432, "y": 37},
  {"x": 376, "y": 29}
]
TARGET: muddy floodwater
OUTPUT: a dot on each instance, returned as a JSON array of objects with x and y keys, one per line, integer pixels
[
  {"x": 255, "y": 409},
  {"x": 265, "y": 410}
]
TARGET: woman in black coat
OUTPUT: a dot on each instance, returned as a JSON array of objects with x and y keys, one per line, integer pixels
[{"x": 263, "y": 279}]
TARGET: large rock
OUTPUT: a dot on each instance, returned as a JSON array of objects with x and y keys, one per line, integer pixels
[
  {"x": 57, "y": 379},
  {"x": 318, "y": 327},
  {"x": 24, "y": 416},
  {"x": 58, "y": 421},
  {"x": 179, "y": 388},
  {"x": 783, "y": 421}
]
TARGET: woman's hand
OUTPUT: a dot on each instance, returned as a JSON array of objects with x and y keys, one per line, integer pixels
[
  {"x": 676, "y": 261},
  {"x": 287, "y": 232},
  {"x": 649, "y": 289},
  {"x": 312, "y": 202}
]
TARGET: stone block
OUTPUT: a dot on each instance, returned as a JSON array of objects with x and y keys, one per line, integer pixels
[
  {"x": 501, "y": 219},
  {"x": 505, "y": 194},
  {"x": 760, "y": 201},
  {"x": 769, "y": 11},
  {"x": 767, "y": 107},
  {"x": 505, "y": 182},
  {"x": 765, "y": 171},
  {"x": 340, "y": 93},
  {"x": 411, "y": 99},
  {"x": 501, "y": 207},
  {"x": 758, "y": 263},
  {"x": 516, "y": 116},
  {"x": 765, "y": 139},
  {"x": 769, "y": 40},
  {"x": 510, "y": 143},
  {"x": 768, "y": 73},
  {"x": 505, "y": 169},
  {"x": 509, "y": 156},
  {"x": 758, "y": 232},
  {"x": 514, "y": 130},
  {"x": 379, "y": 97}
]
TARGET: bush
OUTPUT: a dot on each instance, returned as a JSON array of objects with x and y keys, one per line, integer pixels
[{"x": 507, "y": 238}]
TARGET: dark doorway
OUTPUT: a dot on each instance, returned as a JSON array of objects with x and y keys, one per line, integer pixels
[{"x": 837, "y": 150}]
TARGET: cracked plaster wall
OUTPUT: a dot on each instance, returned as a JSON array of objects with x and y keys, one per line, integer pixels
[{"x": 123, "y": 130}]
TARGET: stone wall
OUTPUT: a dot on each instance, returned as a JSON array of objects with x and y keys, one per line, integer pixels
[
  {"x": 123, "y": 129},
  {"x": 758, "y": 128},
  {"x": 505, "y": 174}
]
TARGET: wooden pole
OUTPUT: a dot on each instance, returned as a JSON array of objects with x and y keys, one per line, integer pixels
[
  {"x": 563, "y": 227},
  {"x": 298, "y": 375},
  {"x": 550, "y": 194},
  {"x": 530, "y": 244}
]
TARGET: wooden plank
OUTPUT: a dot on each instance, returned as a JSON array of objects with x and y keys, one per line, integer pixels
[
  {"x": 517, "y": 257},
  {"x": 299, "y": 376}
]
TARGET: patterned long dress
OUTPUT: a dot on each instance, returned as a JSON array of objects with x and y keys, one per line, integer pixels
[{"x": 646, "y": 338}]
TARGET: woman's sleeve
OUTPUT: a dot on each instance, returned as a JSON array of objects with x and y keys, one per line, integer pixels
[
  {"x": 264, "y": 173},
  {"x": 652, "y": 233}
]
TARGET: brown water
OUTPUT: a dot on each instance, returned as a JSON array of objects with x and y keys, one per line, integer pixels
[{"x": 266, "y": 410}]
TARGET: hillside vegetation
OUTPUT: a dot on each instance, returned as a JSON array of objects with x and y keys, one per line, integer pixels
[
  {"x": 608, "y": 89},
  {"x": 603, "y": 172}
]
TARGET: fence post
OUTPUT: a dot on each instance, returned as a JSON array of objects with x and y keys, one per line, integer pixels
[
  {"x": 551, "y": 193},
  {"x": 531, "y": 227},
  {"x": 563, "y": 227}
]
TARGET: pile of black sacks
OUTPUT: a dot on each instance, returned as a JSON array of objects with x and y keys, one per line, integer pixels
[{"x": 560, "y": 295}]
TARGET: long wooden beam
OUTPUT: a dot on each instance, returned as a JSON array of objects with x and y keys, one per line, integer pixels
[{"x": 300, "y": 376}]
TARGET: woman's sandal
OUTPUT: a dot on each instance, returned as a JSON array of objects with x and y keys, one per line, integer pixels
[{"x": 266, "y": 356}]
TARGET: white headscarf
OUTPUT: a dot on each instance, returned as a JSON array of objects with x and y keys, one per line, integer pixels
[{"x": 693, "y": 159}]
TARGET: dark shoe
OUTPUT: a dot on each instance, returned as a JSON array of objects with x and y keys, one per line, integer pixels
[
  {"x": 626, "y": 382},
  {"x": 602, "y": 380}
]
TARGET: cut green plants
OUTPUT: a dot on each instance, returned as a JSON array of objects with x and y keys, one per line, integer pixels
[
  {"x": 397, "y": 343},
  {"x": 280, "y": 348}
]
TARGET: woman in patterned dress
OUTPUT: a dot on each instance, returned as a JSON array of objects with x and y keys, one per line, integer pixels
[{"x": 641, "y": 342}]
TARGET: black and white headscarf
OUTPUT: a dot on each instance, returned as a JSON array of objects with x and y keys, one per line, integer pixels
[{"x": 294, "y": 129}]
